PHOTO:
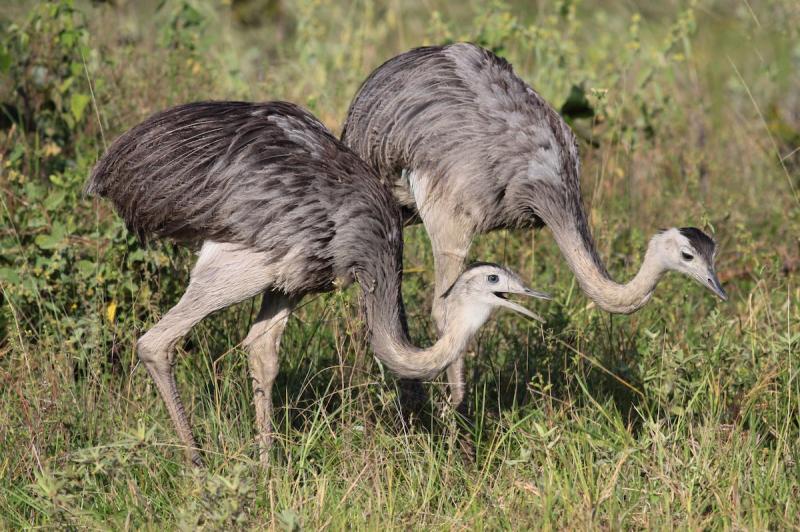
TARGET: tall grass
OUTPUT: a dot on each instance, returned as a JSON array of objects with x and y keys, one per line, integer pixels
[{"x": 682, "y": 415}]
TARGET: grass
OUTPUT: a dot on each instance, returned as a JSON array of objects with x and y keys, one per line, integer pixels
[{"x": 684, "y": 415}]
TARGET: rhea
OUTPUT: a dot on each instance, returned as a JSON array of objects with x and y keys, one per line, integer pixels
[
  {"x": 468, "y": 147},
  {"x": 280, "y": 207}
]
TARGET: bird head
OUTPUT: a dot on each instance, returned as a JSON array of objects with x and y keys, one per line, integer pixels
[
  {"x": 690, "y": 251},
  {"x": 483, "y": 288}
]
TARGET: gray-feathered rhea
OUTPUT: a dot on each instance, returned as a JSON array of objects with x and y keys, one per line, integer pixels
[
  {"x": 268, "y": 176},
  {"x": 283, "y": 208},
  {"x": 469, "y": 147}
]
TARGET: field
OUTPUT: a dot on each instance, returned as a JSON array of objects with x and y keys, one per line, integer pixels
[{"x": 683, "y": 415}]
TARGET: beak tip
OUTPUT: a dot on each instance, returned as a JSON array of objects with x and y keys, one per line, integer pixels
[
  {"x": 720, "y": 291},
  {"x": 716, "y": 286}
]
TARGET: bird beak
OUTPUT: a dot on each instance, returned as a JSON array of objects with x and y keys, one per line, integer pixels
[
  {"x": 715, "y": 286},
  {"x": 524, "y": 291}
]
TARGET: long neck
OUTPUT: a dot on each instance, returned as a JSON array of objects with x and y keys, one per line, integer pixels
[
  {"x": 581, "y": 255},
  {"x": 389, "y": 337}
]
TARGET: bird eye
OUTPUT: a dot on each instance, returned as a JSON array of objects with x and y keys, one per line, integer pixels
[
  {"x": 686, "y": 256},
  {"x": 493, "y": 278}
]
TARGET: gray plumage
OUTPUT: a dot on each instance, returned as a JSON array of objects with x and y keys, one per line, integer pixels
[
  {"x": 469, "y": 147},
  {"x": 268, "y": 176},
  {"x": 493, "y": 151},
  {"x": 461, "y": 115},
  {"x": 283, "y": 208}
]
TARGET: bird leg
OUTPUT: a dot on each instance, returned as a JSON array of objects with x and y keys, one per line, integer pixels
[
  {"x": 450, "y": 237},
  {"x": 263, "y": 342},
  {"x": 448, "y": 265},
  {"x": 156, "y": 351},
  {"x": 224, "y": 274}
]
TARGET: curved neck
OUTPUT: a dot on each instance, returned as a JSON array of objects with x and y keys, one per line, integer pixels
[
  {"x": 389, "y": 337},
  {"x": 580, "y": 253},
  {"x": 411, "y": 362}
]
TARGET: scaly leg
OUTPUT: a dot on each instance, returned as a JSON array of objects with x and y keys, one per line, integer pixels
[
  {"x": 223, "y": 275},
  {"x": 263, "y": 342}
]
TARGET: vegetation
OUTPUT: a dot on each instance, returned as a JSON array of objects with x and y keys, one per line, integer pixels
[{"x": 682, "y": 415}]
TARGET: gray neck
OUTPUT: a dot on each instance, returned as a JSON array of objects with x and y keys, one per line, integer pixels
[
  {"x": 390, "y": 342},
  {"x": 410, "y": 362},
  {"x": 595, "y": 281}
]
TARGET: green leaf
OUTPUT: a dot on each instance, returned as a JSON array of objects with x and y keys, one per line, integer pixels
[
  {"x": 77, "y": 104},
  {"x": 33, "y": 191},
  {"x": 290, "y": 520},
  {"x": 677, "y": 410},
  {"x": 66, "y": 84},
  {"x": 68, "y": 38},
  {"x": 137, "y": 255},
  {"x": 9, "y": 275},
  {"x": 86, "y": 267},
  {"x": 52, "y": 240},
  {"x": 5, "y": 60},
  {"x": 54, "y": 200}
]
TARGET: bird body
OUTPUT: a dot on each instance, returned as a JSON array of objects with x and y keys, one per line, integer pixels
[
  {"x": 267, "y": 176},
  {"x": 459, "y": 117},
  {"x": 280, "y": 207},
  {"x": 468, "y": 147}
]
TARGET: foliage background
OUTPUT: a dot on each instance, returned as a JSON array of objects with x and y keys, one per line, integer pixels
[{"x": 682, "y": 415}]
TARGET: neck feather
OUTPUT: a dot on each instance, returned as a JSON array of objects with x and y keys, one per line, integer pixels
[
  {"x": 389, "y": 337},
  {"x": 580, "y": 253}
]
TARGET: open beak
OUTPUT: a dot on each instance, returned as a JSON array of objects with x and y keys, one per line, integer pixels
[
  {"x": 715, "y": 286},
  {"x": 519, "y": 308}
]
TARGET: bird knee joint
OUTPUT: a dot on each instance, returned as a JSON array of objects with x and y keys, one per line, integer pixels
[{"x": 151, "y": 355}]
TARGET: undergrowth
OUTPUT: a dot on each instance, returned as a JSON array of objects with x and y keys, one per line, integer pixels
[{"x": 682, "y": 415}]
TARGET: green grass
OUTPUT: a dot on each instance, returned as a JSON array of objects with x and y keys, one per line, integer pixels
[{"x": 684, "y": 415}]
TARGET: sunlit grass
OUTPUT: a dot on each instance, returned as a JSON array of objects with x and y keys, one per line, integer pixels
[{"x": 684, "y": 415}]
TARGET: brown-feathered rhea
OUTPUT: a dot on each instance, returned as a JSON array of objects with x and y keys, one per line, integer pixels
[
  {"x": 281, "y": 207},
  {"x": 469, "y": 147}
]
